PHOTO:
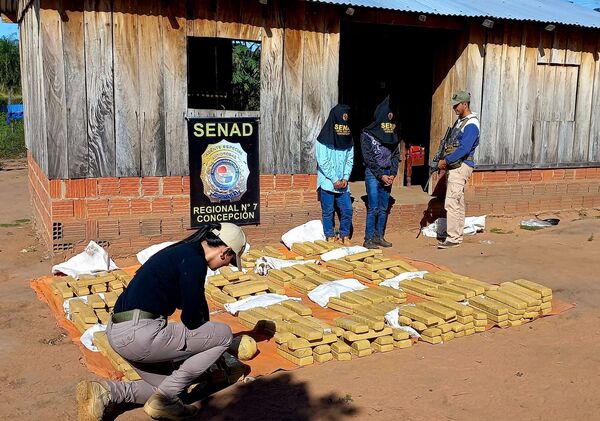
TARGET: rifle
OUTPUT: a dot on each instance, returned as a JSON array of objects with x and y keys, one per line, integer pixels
[{"x": 439, "y": 155}]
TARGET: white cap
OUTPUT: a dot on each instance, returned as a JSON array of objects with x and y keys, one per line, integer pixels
[{"x": 234, "y": 237}]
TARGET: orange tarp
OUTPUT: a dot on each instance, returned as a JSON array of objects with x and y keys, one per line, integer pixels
[{"x": 266, "y": 362}]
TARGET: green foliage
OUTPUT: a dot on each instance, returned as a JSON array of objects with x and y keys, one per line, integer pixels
[
  {"x": 246, "y": 76},
  {"x": 10, "y": 72},
  {"x": 12, "y": 139}
]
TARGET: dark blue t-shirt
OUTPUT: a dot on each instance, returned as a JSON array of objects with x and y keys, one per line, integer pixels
[{"x": 171, "y": 279}]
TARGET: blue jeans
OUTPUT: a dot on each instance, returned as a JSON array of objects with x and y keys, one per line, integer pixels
[
  {"x": 378, "y": 197},
  {"x": 344, "y": 204}
]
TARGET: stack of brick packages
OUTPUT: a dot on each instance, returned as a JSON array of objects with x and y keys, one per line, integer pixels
[
  {"x": 302, "y": 277},
  {"x": 100, "y": 291},
  {"x": 313, "y": 249},
  {"x": 369, "y": 266},
  {"x": 514, "y": 303}
]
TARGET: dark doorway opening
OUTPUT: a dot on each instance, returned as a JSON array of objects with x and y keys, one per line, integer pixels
[{"x": 377, "y": 60}]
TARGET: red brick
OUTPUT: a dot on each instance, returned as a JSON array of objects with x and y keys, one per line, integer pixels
[
  {"x": 580, "y": 173},
  {"x": 118, "y": 207},
  {"x": 592, "y": 173},
  {"x": 293, "y": 199},
  {"x": 141, "y": 206},
  {"x": 80, "y": 208},
  {"x": 62, "y": 209},
  {"x": 97, "y": 207},
  {"x": 108, "y": 229},
  {"x": 569, "y": 174},
  {"x": 263, "y": 199},
  {"x": 130, "y": 186},
  {"x": 301, "y": 181},
  {"x": 512, "y": 176},
  {"x": 536, "y": 175},
  {"x": 311, "y": 198},
  {"x": 547, "y": 175},
  {"x": 161, "y": 205},
  {"x": 108, "y": 186},
  {"x": 171, "y": 225},
  {"x": 186, "y": 184},
  {"x": 56, "y": 187},
  {"x": 150, "y": 227},
  {"x": 477, "y": 178},
  {"x": 525, "y": 175},
  {"x": 283, "y": 182},
  {"x": 558, "y": 174},
  {"x": 181, "y": 205},
  {"x": 494, "y": 176},
  {"x": 172, "y": 185},
  {"x": 91, "y": 187},
  {"x": 73, "y": 231},
  {"x": 91, "y": 229},
  {"x": 276, "y": 199},
  {"x": 151, "y": 186},
  {"x": 75, "y": 188},
  {"x": 267, "y": 182},
  {"x": 313, "y": 182},
  {"x": 129, "y": 227}
]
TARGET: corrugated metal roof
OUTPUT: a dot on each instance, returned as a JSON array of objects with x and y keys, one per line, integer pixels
[{"x": 549, "y": 11}]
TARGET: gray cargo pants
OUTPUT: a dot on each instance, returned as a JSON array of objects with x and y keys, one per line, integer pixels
[{"x": 167, "y": 356}]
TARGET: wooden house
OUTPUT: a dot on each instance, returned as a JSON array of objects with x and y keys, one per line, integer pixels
[{"x": 108, "y": 85}]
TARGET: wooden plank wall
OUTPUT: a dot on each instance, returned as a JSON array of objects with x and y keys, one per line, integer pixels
[
  {"x": 537, "y": 93},
  {"x": 108, "y": 94}
]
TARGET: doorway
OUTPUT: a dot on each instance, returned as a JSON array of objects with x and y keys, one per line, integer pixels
[{"x": 377, "y": 60}]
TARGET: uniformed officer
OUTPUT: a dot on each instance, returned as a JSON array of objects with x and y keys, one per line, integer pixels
[
  {"x": 459, "y": 163},
  {"x": 167, "y": 356}
]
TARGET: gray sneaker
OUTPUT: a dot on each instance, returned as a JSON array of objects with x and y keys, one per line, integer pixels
[
  {"x": 447, "y": 245},
  {"x": 159, "y": 407},
  {"x": 382, "y": 242},
  {"x": 370, "y": 244},
  {"x": 93, "y": 400}
]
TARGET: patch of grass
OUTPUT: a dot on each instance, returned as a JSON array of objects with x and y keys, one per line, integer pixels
[
  {"x": 12, "y": 139},
  {"x": 500, "y": 231},
  {"x": 591, "y": 237},
  {"x": 14, "y": 224}
]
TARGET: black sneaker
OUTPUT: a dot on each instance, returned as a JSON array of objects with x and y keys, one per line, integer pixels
[
  {"x": 382, "y": 242},
  {"x": 447, "y": 245},
  {"x": 370, "y": 244}
]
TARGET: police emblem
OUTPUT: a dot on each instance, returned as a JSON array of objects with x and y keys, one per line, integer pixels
[{"x": 224, "y": 171}]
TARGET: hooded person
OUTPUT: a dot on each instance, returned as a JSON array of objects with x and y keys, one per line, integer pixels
[
  {"x": 381, "y": 154},
  {"x": 168, "y": 356},
  {"x": 335, "y": 156}
]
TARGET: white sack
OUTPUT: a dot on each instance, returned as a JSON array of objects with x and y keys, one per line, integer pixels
[
  {"x": 324, "y": 292},
  {"x": 473, "y": 225},
  {"x": 147, "y": 253},
  {"x": 263, "y": 300},
  {"x": 311, "y": 231},
  {"x": 395, "y": 281},
  {"x": 93, "y": 259},
  {"x": 342, "y": 252}
]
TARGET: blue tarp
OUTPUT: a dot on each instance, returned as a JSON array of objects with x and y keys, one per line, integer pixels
[{"x": 14, "y": 112}]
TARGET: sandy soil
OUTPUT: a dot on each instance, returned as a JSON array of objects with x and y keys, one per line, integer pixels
[{"x": 547, "y": 370}]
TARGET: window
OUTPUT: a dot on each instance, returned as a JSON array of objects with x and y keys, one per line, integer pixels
[{"x": 223, "y": 74}]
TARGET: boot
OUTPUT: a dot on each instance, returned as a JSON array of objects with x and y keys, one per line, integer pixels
[
  {"x": 346, "y": 241},
  {"x": 332, "y": 239},
  {"x": 93, "y": 400},
  {"x": 370, "y": 244},
  {"x": 160, "y": 407},
  {"x": 382, "y": 242}
]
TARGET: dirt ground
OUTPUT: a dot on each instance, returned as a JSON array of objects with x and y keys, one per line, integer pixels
[{"x": 546, "y": 370}]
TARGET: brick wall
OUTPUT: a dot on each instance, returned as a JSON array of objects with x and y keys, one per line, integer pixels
[
  {"x": 128, "y": 214},
  {"x": 534, "y": 191}
]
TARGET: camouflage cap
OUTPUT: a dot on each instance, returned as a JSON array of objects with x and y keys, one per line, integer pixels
[{"x": 460, "y": 96}]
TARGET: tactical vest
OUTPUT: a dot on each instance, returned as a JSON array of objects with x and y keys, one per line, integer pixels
[{"x": 453, "y": 144}]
